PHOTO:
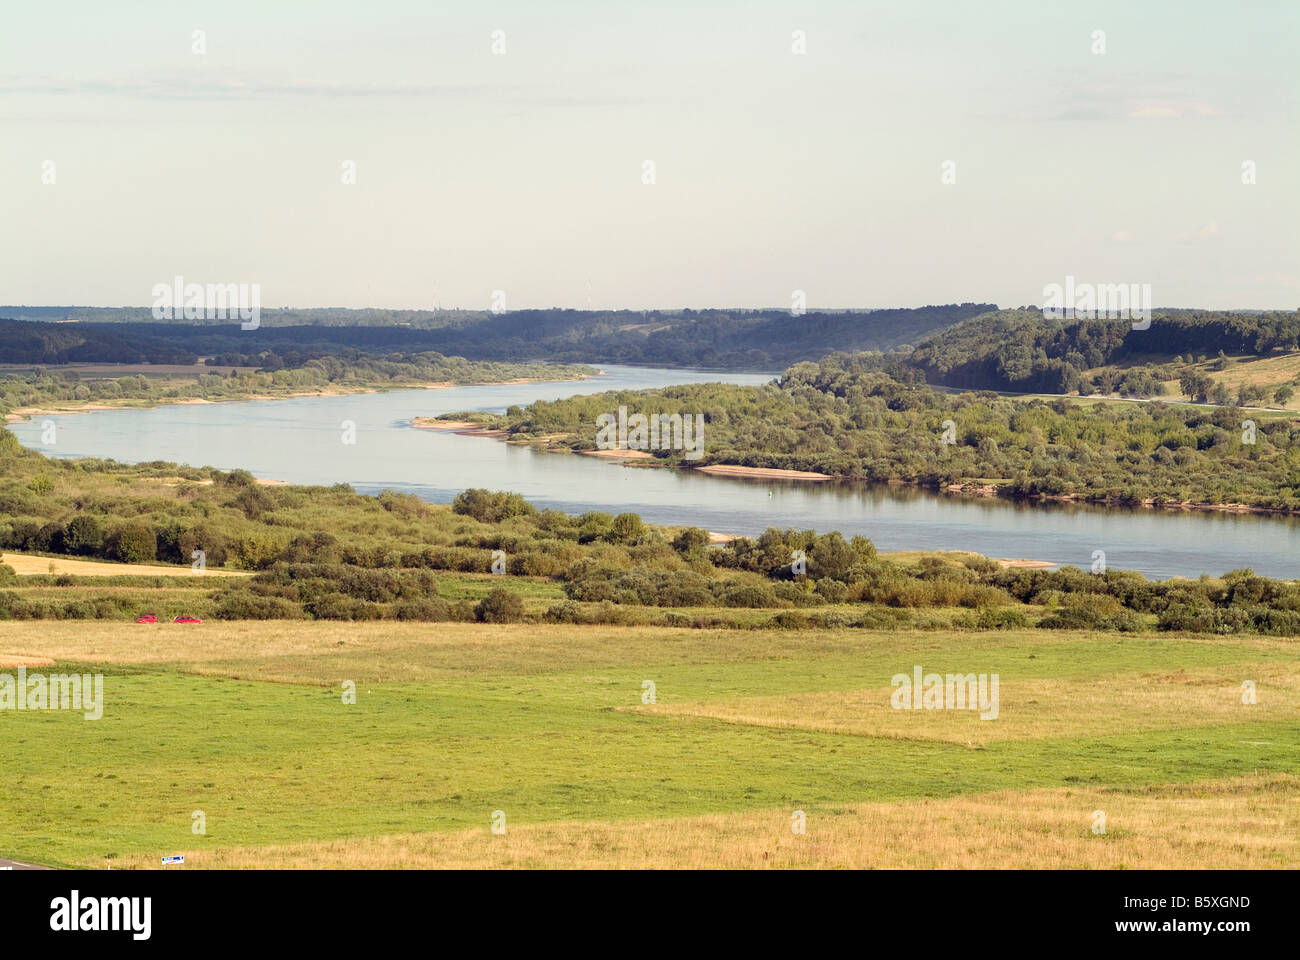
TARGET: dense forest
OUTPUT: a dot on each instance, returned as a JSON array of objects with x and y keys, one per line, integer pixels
[
  {"x": 39, "y": 342},
  {"x": 736, "y": 339},
  {"x": 846, "y": 417}
]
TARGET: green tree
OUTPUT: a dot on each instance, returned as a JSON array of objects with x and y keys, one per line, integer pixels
[
  {"x": 134, "y": 542},
  {"x": 627, "y": 528},
  {"x": 83, "y": 534}
]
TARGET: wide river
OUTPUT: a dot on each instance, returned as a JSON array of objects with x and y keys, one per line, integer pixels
[{"x": 300, "y": 440}]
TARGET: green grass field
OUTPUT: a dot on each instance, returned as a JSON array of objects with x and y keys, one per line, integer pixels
[{"x": 245, "y": 721}]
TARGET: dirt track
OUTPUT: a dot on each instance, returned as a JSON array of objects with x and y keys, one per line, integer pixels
[{"x": 15, "y": 865}]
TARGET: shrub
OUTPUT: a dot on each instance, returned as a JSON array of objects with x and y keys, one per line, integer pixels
[
  {"x": 1091, "y": 613},
  {"x": 1279, "y": 623},
  {"x": 79, "y": 610},
  {"x": 566, "y": 611},
  {"x": 1186, "y": 616},
  {"x": 693, "y": 541},
  {"x": 1005, "y": 618},
  {"x": 463, "y": 611},
  {"x": 244, "y": 605},
  {"x": 134, "y": 542},
  {"x": 980, "y": 564},
  {"x": 626, "y": 528},
  {"x": 486, "y": 506},
  {"x": 832, "y": 591},
  {"x": 500, "y": 606},
  {"x": 237, "y": 478},
  {"x": 748, "y": 595},
  {"x": 788, "y": 620},
  {"x": 84, "y": 534},
  {"x": 427, "y": 609},
  {"x": 332, "y": 606}
]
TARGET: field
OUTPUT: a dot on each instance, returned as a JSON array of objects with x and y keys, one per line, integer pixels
[
  {"x": 1247, "y": 370},
  {"x": 246, "y": 723},
  {"x": 26, "y": 564}
]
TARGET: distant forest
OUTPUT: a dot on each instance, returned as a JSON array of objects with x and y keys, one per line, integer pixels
[
  {"x": 966, "y": 346},
  {"x": 760, "y": 340}
]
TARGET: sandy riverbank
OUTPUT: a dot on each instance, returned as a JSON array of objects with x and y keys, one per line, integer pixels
[
  {"x": 618, "y": 454},
  {"x": 466, "y": 428},
  {"x": 764, "y": 473},
  {"x": 65, "y": 408}
]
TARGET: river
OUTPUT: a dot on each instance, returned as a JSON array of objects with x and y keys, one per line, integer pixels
[{"x": 300, "y": 440}]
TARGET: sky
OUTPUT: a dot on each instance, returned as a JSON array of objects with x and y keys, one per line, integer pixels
[{"x": 129, "y": 156}]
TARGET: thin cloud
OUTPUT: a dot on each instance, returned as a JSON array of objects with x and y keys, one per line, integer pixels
[
  {"x": 1165, "y": 109},
  {"x": 1165, "y": 96},
  {"x": 191, "y": 87}
]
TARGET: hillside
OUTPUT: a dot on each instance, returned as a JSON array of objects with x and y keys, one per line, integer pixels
[
  {"x": 734, "y": 339},
  {"x": 1020, "y": 350}
]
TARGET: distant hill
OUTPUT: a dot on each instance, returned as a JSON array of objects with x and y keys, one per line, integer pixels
[
  {"x": 1019, "y": 350},
  {"x": 729, "y": 339},
  {"x": 39, "y": 342}
]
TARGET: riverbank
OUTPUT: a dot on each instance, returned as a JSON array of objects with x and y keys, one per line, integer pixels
[
  {"x": 995, "y": 490},
  {"x": 762, "y": 473},
  {"x": 973, "y": 488},
  {"x": 68, "y": 408}
]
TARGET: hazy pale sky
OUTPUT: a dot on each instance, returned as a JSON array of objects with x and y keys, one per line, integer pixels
[{"x": 775, "y": 171}]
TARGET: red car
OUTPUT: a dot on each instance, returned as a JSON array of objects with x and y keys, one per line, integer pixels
[
  {"x": 187, "y": 620},
  {"x": 147, "y": 618}
]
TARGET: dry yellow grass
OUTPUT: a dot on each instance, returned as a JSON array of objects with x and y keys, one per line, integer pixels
[
  {"x": 10, "y": 661},
  {"x": 1030, "y": 709},
  {"x": 1248, "y": 822},
  {"x": 385, "y": 651},
  {"x": 26, "y": 564},
  {"x": 1268, "y": 372},
  {"x": 413, "y": 651}
]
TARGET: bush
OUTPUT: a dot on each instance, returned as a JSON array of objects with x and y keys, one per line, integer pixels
[
  {"x": 748, "y": 595},
  {"x": 333, "y": 606},
  {"x": 1278, "y": 623},
  {"x": 464, "y": 611},
  {"x": 980, "y": 564},
  {"x": 1007, "y": 618},
  {"x": 691, "y": 542},
  {"x": 566, "y": 611},
  {"x": 84, "y": 534},
  {"x": 832, "y": 591},
  {"x": 500, "y": 606},
  {"x": 428, "y": 609},
  {"x": 244, "y": 605},
  {"x": 134, "y": 542},
  {"x": 79, "y": 610},
  {"x": 1186, "y": 616},
  {"x": 626, "y": 528},
  {"x": 1091, "y": 613},
  {"x": 488, "y": 507},
  {"x": 788, "y": 620}
]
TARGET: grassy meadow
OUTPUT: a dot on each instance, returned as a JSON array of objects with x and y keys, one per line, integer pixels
[{"x": 246, "y": 722}]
